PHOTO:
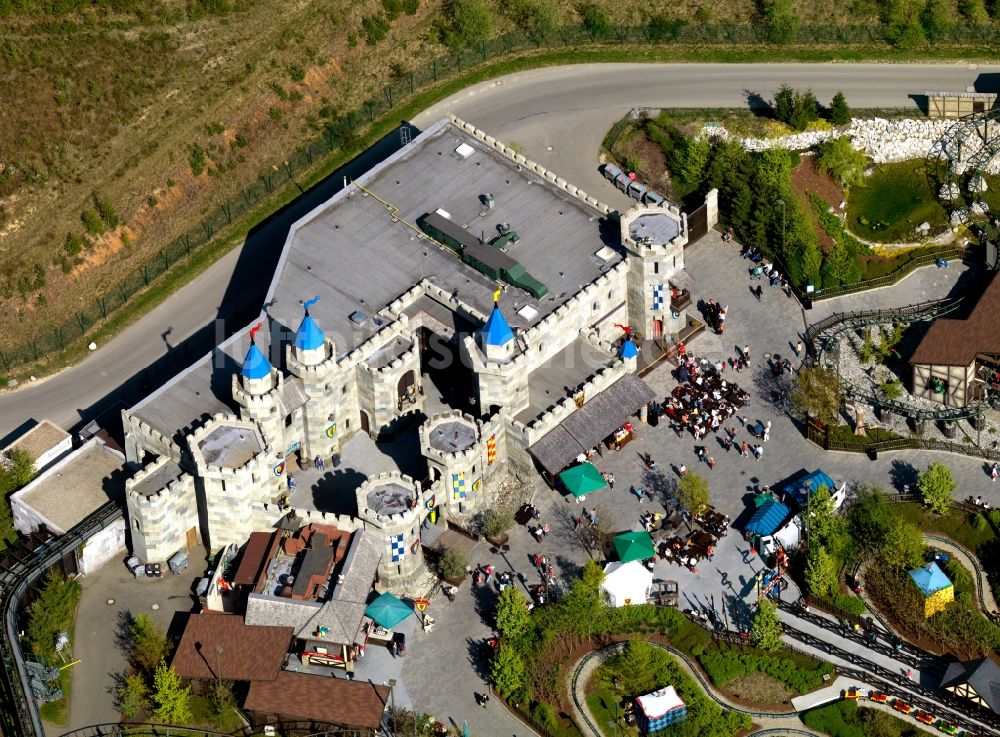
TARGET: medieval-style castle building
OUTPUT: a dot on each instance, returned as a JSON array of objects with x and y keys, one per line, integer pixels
[{"x": 459, "y": 290}]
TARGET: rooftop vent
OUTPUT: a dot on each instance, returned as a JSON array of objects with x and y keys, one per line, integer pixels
[
  {"x": 443, "y": 213},
  {"x": 528, "y": 312},
  {"x": 358, "y": 317},
  {"x": 606, "y": 254},
  {"x": 464, "y": 151},
  {"x": 488, "y": 200}
]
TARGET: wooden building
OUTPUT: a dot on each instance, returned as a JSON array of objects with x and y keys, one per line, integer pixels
[
  {"x": 956, "y": 363},
  {"x": 976, "y": 680}
]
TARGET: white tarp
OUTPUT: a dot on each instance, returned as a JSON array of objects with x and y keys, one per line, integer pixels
[
  {"x": 626, "y": 583},
  {"x": 788, "y": 536},
  {"x": 655, "y": 705}
]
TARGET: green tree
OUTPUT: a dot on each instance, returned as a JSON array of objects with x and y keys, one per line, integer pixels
[
  {"x": 840, "y": 113},
  {"x": 902, "y": 546},
  {"x": 496, "y": 522},
  {"x": 868, "y": 521},
  {"x": 691, "y": 166},
  {"x": 784, "y": 103},
  {"x": 821, "y": 572},
  {"x": 538, "y": 18},
  {"x": 824, "y": 524},
  {"x": 594, "y": 19},
  {"x": 453, "y": 563},
  {"x": 936, "y": 485},
  {"x": 662, "y": 27},
  {"x": 839, "y": 266},
  {"x": 171, "y": 700},
  {"x": 149, "y": 644},
  {"x": 693, "y": 493},
  {"x": 843, "y": 162},
  {"x": 18, "y": 472},
  {"x": 804, "y": 110},
  {"x": 781, "y": 21},
  {"x": 467, "y": 22},
  {"x": 936, "y": 20},
  {"x": 132, "y": 696},
  {"x": 582, "y": 607},
  {"x": 507, "y": 672},
  {"x": 973, "y": 11},
  {"x": 513, "y": 617},
  {"x": 817, "y": 393},
  {"x": 766, "y": 630},
  {"x": 52, "y": 613}
]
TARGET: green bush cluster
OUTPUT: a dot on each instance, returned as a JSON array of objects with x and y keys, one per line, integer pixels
[
  {"x": 642, "y": 668},
  {"x": 724, "y": 666},
  {"x": 375, "y": 27},
  {"x": 465, "y": 22},
  {"x": 846, "y": 719}
]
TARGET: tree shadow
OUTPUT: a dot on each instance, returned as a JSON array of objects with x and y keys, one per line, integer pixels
[
  {"x": 902, "y": 472},
  {"x": 758, "y": 104},
  {"x": 477, "y": 656},
  {"x": 123, "y": 632},
  {"x": 660, "y": 487}
]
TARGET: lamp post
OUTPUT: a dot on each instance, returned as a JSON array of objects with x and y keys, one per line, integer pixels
[
  {"x": 218, "y": 673},
  {"x": 782, "y": 203},
  {"x": 618, "y": 690}
]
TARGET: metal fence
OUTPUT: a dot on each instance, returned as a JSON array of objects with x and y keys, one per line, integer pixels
[{"x": 342, "y": 139}]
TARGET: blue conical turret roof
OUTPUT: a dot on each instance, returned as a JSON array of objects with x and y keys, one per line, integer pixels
[
  {"x": 308, "y": 336},
  {"x": 496, "y": 331},
  {"x": 629, "y": 350},
  {"x": 255, "y": 365}
]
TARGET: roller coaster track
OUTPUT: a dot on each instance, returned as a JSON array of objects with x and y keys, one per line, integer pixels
[
  {"x": 967, "y": 146},
  {"x": 821, "y": 336},
  {"x": 18, "y": 713}
]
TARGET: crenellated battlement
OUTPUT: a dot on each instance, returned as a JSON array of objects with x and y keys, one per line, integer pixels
[
  {"x": 316, "y": 372},
  {"x": 258, "y": 403},
  {"x": 445, "y": 457},
  {"x": 220, "y": 420},
  {"x": 398, "y": 519},
  {"x": 269, "y": 514}
]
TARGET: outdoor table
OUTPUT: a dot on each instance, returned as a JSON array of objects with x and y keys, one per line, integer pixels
[{"x": 702, "y": 539}]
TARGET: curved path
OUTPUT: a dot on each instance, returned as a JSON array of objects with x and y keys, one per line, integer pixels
[
  {"x": 558, "y": 115},
  {"x": 984, "y": 593},
  {"x": 589, "y": 663}
]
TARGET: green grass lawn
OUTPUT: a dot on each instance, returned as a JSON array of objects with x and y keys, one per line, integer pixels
[
  {"x": 892, "y": 202},
  {"x": 602, "y": 705},
  {"x": 846, "y": 719},
  {"x": 962, "y": 527}
]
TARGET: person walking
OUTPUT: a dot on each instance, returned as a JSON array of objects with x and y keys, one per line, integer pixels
[
  {"x": 767, "y": 430},
  {"x": 711, "y": 463},
  {"x": 611, "y": 481},
  {"x": 758, "y": 451},
  {"x": 745, "y": 449},
  {"x": 798, "y": 348},
  {"x": 546, "y": 529},
  {"x": 746, "y": 354},
  {"x": 682, "y": 471},
  {"x": 994, "y": 472}
]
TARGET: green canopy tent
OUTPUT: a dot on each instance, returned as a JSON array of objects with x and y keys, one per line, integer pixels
[
  {"x": 636, "y": 545},
  {"x": 583, "y": 479},
  {"x": 388, "y": 611}
]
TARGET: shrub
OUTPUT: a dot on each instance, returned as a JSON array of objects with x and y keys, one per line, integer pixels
[
  {"x": 106, "y": 211},
  {"x": 466, "y": 22},
  {"x": 973, "y": 11},
  {"x": 661, "y": 27},
  {"x": 375, "y": 27},
  {"x": 495, "y": 523},
  {"x": 393, "y": 8},
  {"x": 92, "y": 222},
  {"x": 725, "y": 666},
  {"x": 410, "y": 7},
  {"x": 935, "y": 19},
  {"x": 891, "y": 389},
  {"x": 781, "y": 21},
  {"x": 538, "y": 18},
  {"x": 196, "y": 159},
  {"x": 453, "y": 563},
  {"x": 594, "y": 19},
  {"x": 840, "y": 113},
  {"x": 841, "y": 161},
  {"x": 296, "y": 73}
]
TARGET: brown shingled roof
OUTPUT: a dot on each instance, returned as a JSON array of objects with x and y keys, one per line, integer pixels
[
  {"x": 337, "y": 701},
  {"x": 249, "y": 653},
  {"x": 256, "y": 554},
  {"x": 958, "y": 342}
]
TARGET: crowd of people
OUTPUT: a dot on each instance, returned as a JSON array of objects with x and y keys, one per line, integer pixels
[{"x": 703, "y": 400}]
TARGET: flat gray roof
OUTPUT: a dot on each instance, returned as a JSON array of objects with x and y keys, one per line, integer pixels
[
  {"x": 355, "y": 253},
  {"x": 359, "y": 255},
  {"x": 561, "y": 376},
  {"x": 452, "y": 436},
  {"x": 40, "y": 439},
  {"x": 389, "y": 498},
  {"x": 158, "y": 479},
  {"x": 659, "y": 227},
  {"x": 74, "y": 488},
  {"x": 229, "y": 446}
]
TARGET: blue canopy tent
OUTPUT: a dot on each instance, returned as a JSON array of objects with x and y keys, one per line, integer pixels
[
  {"x": 810, "y": 483},
  {"x": 768, "y": 518}
]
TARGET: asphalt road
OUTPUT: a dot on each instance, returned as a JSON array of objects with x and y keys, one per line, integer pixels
[{"x": 558, "y": 116}]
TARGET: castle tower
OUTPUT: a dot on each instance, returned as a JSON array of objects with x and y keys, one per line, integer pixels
[
  {"x": 496, "y": 338},
  {"x": 455, "y": 451},
  {"x": 256, "y": 389},
  {"x": 312, "y": 359},
  {"x": 629, "y": 355},
  {"x": 396, "y": 506},
  {"x": 235, "y": 469},
  {"x": 654, "y": 238}
]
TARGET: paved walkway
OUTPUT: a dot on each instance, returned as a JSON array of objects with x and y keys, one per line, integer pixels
[
  {"x": 445, "y": 669},
  {"x": 984, "y": 592}
]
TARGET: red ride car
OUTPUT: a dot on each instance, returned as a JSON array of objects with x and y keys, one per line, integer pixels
[
  {"x": 901, "y": 706},
  {"x": 878, "y": 697},
  {"x": 924, "y": 717}
]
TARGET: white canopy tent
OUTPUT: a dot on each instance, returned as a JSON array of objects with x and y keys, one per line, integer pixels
[{"x": 626, "y": 583}]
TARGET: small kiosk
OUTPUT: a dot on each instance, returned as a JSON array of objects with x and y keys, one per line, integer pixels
[{"x": 660, "y": 709}]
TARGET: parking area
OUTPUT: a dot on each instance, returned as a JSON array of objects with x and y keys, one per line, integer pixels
[{"x": 108, "y": 597}]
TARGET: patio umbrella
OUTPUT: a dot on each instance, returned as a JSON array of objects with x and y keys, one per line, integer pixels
[
  {"x": 388, "y": 611},
  {"x": 583, "y": 479},
  {"x": 636, "y": 545}
]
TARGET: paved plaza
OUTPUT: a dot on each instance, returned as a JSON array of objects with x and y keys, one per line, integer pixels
[{"x": 444, "y": 670}]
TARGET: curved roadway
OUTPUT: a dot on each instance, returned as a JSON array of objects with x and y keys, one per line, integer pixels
[{"x": 557, "y": 115}]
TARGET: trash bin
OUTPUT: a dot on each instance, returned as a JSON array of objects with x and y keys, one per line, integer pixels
[
  {"x": 178, "y": 562},
  {"x": 873, "y": 453}
]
